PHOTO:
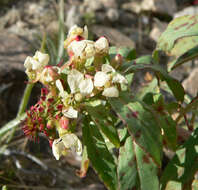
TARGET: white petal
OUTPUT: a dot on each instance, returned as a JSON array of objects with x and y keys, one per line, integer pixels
[
  {"x": 102, "y": 45},
  {"x": 89, "y": 50},
  {"x": 118, "y": 78},
  {"x": 72, "y": 30},
  {"x": 27, "y": 63},
  {"x": 73, "y": 79},
  {"x": 35, "y": 64},
  {"x": 42, "y": 58},
  {"x": 107, "y": 68},
  {"x": 111, "y": 92},
  {"x": 59, "y": 86},
  {"x": 57, "y": 148},
  {"x": 72, "y": 142},
  {"x": 100, "y": 79},
  {"x": 86, "y": 86},
  {"x": 70, "y": 113},
  {"x": 77, "y": 48}
]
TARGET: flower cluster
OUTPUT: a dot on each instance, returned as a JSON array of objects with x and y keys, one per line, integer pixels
[{"x": 86, "y": 75}]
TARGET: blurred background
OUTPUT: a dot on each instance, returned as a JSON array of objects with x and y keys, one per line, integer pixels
[{"x": 23, "y": 25}]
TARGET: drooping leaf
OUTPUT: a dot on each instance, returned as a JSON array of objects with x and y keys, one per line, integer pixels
[
  {"x": 147, "y": 170},
  {"x": 127, "y": 170},
  {"x": 180, "y": 30},
  {"x": 100, "y": 115},
  {"x": 140, "y": 123},
  {"x": 101, "y": 159},
  {"x": 184, "y": 164},
  {"x": 173, "y": 84},
  {"x": 187, "y": 56}
]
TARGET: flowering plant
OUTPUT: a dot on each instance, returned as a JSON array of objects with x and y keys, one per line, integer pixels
[{"x": 127, "y": 136}]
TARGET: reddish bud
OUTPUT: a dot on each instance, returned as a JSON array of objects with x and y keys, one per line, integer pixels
[{"x": 64, "y": 122}]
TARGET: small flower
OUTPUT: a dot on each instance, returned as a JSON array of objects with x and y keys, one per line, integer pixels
[
  {"x": 49, "y": 74},
  {"x": 77, "y": 82},
  {"x": 111, "y": 92},
  {"x": 68, "y": 143},
  {"x": 76, "y": 34},
  {"x": 107, "y": 78},
  {"x": 100, "y": 79},
  {"x": 81, "y": 50},
  {"x": 38, "y": 61},
  {"x": 70, "y": 112},
  {"x": 35, "y": 65},
  {"x": 102, "y": 45},
  {"x": 77, "y": 31}
]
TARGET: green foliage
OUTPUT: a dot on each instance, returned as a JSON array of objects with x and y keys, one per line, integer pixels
[{"x": 126, "y": 138}]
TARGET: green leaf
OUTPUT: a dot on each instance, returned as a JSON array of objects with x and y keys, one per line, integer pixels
[
  {"x": 147, "y": 170},
  {"x": 127, "y": 53},
  {"x": 173, "y": 84},
  {"x": 184, "y": 164},
  {"x": 181, "y": 32},
  {"x": 127, "y": 172},
  {"x": 140, "y": 124},
  {"x": 100, "y": 115},
  {"x": 101, "y": 159},
  {"x": 187, "y": 56},
  {"x": 61, "y": 34},
  {"x": 158, "y": 108}
]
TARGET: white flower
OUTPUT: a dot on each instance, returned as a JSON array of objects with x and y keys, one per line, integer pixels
[
  {"x": 86, "y": 86},
  {"x": 77, "y": 31},
  {"x": 70, "y": 112},
  {"x": 83, "y": 49},
  {"x": 77, "y": 83},
  {"x": 111, "y": 92},
  {"x": 73, "y": 79},
  {"x": 118, "y": 78},
  {"x": 102, "y": 45},
  {"x": 63, "y": 93},
  {"x": 100, "y": 79},
  {"x": 106, "y": 68},
  {"x": 67, "y": 143},
  {"x": 38, "y": 61}
]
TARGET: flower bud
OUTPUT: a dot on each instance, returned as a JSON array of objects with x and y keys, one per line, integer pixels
[
  {"x": 102, "y": 45},
  {"x": 78, "y": 97},
  {"x": 64, "y": 122}
]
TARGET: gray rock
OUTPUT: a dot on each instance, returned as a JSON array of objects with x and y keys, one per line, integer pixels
[
  {"x": 10, "y": 18},
  {"x": 157, "y": 30},
  {"x": 110, "y": 3},
  {"x": 73, "y": 17},
  {"x": 190, "y": 84},
  {"x": 114, "y": 36},
  {"x": 13, "y": 51},
  {"x": 93, "y": 5},
  {"x": 193, "y": 10},
  {"x": 159, "y": 6},
  {"x": 113, "y": 14}
]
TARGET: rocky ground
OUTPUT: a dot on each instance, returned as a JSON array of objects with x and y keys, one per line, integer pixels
[{"x": 130, "y": 23}]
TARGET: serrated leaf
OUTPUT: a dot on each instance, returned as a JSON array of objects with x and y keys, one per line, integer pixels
[
  {"x": 176, "y": 32},
  {"x": 140, "y": 124},
  {"x": 100, "y": 116},
  {"x": 127, "y": 172},
  {"x": 184, "y": 164},
  {"x": 101, "y": 159}
]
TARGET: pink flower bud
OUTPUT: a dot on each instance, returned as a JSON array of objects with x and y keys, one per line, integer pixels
[{"x": 64, "y": 122}]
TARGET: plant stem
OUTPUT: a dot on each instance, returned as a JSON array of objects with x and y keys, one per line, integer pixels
[{"x": 22, "y": 106}]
